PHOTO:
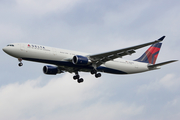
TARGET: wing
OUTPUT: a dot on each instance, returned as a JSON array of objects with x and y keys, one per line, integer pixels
[{"x": 101, "y": 58}]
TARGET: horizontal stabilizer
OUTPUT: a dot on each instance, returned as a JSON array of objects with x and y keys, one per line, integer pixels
[{"x": 160, "y": 64}]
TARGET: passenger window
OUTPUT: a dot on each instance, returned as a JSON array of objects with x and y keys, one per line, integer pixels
[{"x": 11, "y": 45}]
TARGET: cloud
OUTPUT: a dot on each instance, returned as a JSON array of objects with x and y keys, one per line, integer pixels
[
  {"x": 169, "y": 82},
  {"x": 10, "y": 32},
  {"x": 61, "y": 98},
  {"x": 42, "y": 7},
  {"x": 125, "y": 14}
]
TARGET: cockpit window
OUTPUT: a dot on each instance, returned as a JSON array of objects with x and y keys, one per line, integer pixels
[{"x": 11, "y": 45}]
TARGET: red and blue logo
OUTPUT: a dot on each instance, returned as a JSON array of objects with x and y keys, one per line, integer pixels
[{"x": 151, "y": 54}]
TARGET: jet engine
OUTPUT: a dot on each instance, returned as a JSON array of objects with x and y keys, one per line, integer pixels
[
  {"x": 51, "y": 70},
  {"x": 80, "y": 60}
]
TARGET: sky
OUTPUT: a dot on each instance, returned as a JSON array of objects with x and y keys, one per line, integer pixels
[{"x": 91, "y": 26}]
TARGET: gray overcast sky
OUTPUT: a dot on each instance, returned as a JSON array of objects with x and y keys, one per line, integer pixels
[{"x": 91, "y": 26}]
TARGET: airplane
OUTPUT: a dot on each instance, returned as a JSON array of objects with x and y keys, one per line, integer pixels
[{"x": 62, "y": 60}]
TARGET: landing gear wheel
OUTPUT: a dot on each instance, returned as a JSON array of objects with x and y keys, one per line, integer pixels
[
  {"x": 80, "y": 80},
  {"x": 76, "y": 77},
  {"x": 98, "y": 75},
  {"x": 20, "y": 64},
  {"x": 93, "y": 72}
]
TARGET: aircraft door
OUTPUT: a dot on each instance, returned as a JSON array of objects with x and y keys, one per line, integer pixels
[{"x": 23, "y": 48}]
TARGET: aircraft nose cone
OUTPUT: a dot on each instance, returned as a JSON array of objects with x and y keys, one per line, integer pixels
[
  {"x": 4, "y": 49},
  {"x": 9, "y": 51}
]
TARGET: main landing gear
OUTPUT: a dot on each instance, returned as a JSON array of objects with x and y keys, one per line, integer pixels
[
  {"x": 80, "y": 80},
  {"x": 77, "y": 77},
  {"x": 20, "y": 64},
  {"x": 97, "y": 75}
]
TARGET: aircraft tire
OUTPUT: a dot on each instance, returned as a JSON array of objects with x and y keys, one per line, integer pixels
[
  {"x": 20, "y": 64},
  {"x": 98, "y": 75},
  {"x": 93, "y": 72},
  {"x": 76, "y": 77},
  {"x": 80, "y": 80}
]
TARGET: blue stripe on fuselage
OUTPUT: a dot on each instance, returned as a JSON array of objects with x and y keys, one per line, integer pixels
[{"x": 70, "y": 64}]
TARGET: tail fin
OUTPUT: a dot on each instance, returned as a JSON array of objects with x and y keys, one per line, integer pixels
[{"x": 151, "y": 54}]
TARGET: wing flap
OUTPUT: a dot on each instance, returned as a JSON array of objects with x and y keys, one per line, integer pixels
[{"x": 114, "y": 56}]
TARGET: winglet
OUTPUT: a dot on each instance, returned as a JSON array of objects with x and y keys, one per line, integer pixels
[{"x": 162, "y": 38}]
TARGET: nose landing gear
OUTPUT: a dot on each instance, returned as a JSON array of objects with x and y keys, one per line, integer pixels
[{"x": 20, "y": 60}]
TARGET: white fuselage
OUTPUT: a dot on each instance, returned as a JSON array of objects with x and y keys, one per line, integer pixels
[{"x": 62, "y": 58}]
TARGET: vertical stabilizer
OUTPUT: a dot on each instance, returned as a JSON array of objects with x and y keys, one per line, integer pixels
[{"x": 151, "y": 54}]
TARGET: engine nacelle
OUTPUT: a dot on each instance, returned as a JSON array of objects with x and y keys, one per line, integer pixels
[
  {"x": 50, "y": 70},
  {"x": 80, "y": 60}
]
